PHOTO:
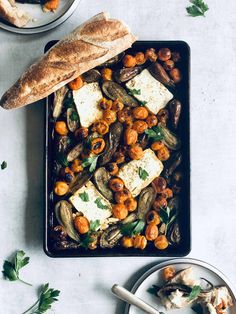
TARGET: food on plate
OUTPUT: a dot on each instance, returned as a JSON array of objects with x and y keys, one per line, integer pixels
[
  {"x": 118, "y": 157},
  {"x": 11, "y": 13},
  {"x": 50, "y": 5},
  {"x": 91, "y": 44},
  {"x": 183, "y": 288}
]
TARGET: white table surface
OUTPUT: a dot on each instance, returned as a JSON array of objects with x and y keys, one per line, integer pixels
[{"x": 85, "y": 283}]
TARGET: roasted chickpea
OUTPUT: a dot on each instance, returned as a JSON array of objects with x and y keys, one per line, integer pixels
[
  {"x": 81, "y": 224},
  {"x": 77, "y": 165},
  {"x": 116, "y": 184},
  {"x": 161, "y": 242},
  {"x": 109, "y": 116},
  {"x": 119, "y": 157},
  {"x": 127, "y": 242},
  {"x": 61, "y": 128},
  {"x": 151, "y": 232},
  {"x": 112, "y": 168},
  {"x": 61, "y": 188},
  {"x": 97, "y": 145},
  {"x": 164, "y": 54},
  {"x": 140, "y": 113},
  {"x": 151, "y": 55},
  {"x": 124, "y": 115},
  {"x": 163, "y": 115},
  {"x": 122, "y": 196},
  {"x": 176, "y": 75},
  {"x": 168, "y": 273},
  {"x": 151, "y": 120},
  {"x": 129, "y": 61},
  {"x": 119, "y": 211},
  {"x": 140, "y": 242},
  {"x": 106, "y": 74},
  {"x": 105, "y": 104},
  {"x": 117, "y": 105},
  {"x": 81, "y": 133},
  {"x": 140, "y": 126},
  {"x": 163, "y": 154},
  {"x": 67, "y": 174},
  {"x": 152, "y": 217},
  {"x": 159, "y": 184},
  {"x": 175, "y": 56},
  {"x": 167, "y": 193},
  {"x": 140, "y": 58},
  {"x": 101, "y": 126},
  {"x": 160, "y": 202},
  {"x": 169, "y": 65},
  {"x": 157, "y": 145},
  {"x": 130, "y": 136},
  {"x": 131, "y": 204},
  {"x": 136, "y": 152},
  {"x": 77, "y": 83}
]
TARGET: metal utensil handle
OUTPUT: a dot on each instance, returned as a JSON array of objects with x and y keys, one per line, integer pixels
[{"x": 130, "y": 298}]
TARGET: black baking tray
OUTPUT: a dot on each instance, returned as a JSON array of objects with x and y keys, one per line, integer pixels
[{"x": 184, "y": 247}]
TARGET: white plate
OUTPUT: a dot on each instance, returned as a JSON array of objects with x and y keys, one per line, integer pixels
[
  {"x": 42, "y": 21},
  {"x": 154, "y": 277}
]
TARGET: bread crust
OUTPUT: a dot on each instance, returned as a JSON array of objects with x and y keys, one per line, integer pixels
[
  {"x": 11, "y": 13},
  {"x": 88, "y": 46}
]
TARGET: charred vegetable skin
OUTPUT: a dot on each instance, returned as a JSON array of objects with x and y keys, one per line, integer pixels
[{"x": 96, "y": 153}]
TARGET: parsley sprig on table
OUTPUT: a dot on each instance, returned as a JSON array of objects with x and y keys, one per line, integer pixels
[
  {"x": 198, "y": 8},
  {"x": 46, "y": 298},
  {"x": 11, "y": 269},
  {"x": 3, "y": 165}
]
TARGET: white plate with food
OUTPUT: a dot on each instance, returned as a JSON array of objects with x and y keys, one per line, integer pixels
[
  {"x": 185, "y": 286},
  {"x": 34, "y": 16}
]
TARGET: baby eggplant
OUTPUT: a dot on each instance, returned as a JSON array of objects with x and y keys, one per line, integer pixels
[
  {"x": 175, "y": 111},
  {"x": 110, "y": 237},
  {"x": 169, "y": 138},
  {"x": 91, "y": 76},
  {"x": 64, "y": 216},
  {"x": 113, "y": 60},
  {"x": 72, "y": 119},
  {"x": 126, "y": 74},
  {"x": 75, "y": 152},
  {"x": 115, "y": 91},
  {"x": 62, "y": 144},
  {"x": 112, "y": 142},
  {"x": 173, "y": 234},
  {"x": 146, "y": 199},
  {"x": 172, "y": 164},
  {"x": 65, "y": 245},
  {"x": 160, "y": 74},
  {"x": 101, "y": 179},
  {"x": 59, "y": 97},
  {"x": 80, "y": 180}
]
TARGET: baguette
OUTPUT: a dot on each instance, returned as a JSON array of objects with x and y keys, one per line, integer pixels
[
  {"x": 11, "y": 13},
  {"x": 91, "y": 44}
]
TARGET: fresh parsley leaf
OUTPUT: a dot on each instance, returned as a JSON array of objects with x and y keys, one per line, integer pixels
[
  {"x": 99, "y": 204},
  {"x": 142, "y": 103},
  {"x": 44, "y": 303},
  {"x": 143, "y": 174},
  {"x": 11, "y": 269},
  {"x": 91, "y": 162},
  {"x": 198, "y": 8},
  {"x": 84, "y": 196},
  {"x": 74, "y": 116},
  {"x": 167, "y": 216},
  {"x": 134, "y": 92},
  {"x": 86, "y": 240},
  {"x": 94, "y": 224},
  {"x": 194, "y": 293},
  {"x": 155, "y": 133},
  {"x": 69, "y": 102},
  {"x": 133, "y": 228},
  {"x": 62, "y": 159},
  {"x": 153, "y": 290},
  {"x": 3, "y": 165}
]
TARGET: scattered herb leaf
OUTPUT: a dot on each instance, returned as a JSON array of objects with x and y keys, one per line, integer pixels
[
  {"x": 134, "y": 92},
  {"x": 133, "y": 228},
  {"x": 194, "y": 293},
  {"x": 99, "y": 204},
  {"x": 86, "y": 240},
  {"x": 62, "y": 159},
  {"x": 47, "y": 297},
  {"x": 167, "y": 216},
  {"x": 84, "y": 196},
  {"x": 69, "y": 102},
  {"x": 198, "y": 8},
  {"x": 155, "y": 133},
  {"x": 11, "y": 269},
  {"x": 142, "y": 103},
  {"x": 3, "y": 165},
  {"x": 91, "y": 162},
  {"x": 74, "y": 116},
  {"x": 153, "y": 290},
  {"x": 94, "y": 224},
  {"x": 143, "y": 174}
]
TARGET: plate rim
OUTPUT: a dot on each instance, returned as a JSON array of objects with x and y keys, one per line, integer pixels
[
  {"x": 175, "y": 261},
  {"x": 43, "y": 28}
]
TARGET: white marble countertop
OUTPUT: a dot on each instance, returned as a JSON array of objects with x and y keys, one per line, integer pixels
[{"x": 85, "y": 283}]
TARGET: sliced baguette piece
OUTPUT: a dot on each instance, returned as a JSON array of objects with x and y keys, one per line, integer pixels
[
  {"x": 11, "y": 13},
  {"x": 91, "y": 44}
]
